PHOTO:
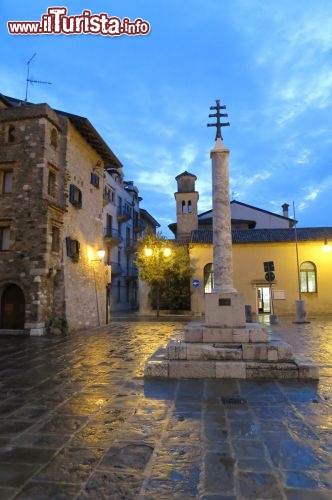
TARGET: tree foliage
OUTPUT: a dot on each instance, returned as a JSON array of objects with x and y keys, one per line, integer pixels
[{"x": 166, "y": 267}]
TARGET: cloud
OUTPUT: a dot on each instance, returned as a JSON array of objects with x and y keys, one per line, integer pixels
[
  {"x": 312, "y": 192},
  {"x": 303, "y": 157},
  {"x": 247, "y": 181},
  {"x": 188, "y": 155}
]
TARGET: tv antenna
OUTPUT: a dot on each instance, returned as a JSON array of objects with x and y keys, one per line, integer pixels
[{"x": 29, "y": 80}]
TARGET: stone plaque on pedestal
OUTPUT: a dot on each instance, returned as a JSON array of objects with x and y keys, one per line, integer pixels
[{"x": 218, "y": 313}]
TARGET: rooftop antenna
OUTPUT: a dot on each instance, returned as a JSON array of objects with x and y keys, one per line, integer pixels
[{"x": 29, "y": 80}]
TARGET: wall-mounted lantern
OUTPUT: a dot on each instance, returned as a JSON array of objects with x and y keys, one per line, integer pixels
[{"x": 326, "y": 246}]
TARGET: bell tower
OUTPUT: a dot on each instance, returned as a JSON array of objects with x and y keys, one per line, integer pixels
[{"x": 186, "y": 205}]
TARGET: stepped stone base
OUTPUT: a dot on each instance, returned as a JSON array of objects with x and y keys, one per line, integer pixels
[{"x": 203, "y": 351}]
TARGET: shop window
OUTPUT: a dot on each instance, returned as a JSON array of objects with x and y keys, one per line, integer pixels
[
  {"x": 4, "y": 238},
  {"x": 208, "y": 278},
  {"x": 75, "y": 196},
  {"x": 308, "y": 277}
]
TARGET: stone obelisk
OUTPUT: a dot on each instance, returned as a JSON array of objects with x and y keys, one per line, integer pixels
[
  {"x": 222, "y": 234},
  {"x": 224, "y": 306}
]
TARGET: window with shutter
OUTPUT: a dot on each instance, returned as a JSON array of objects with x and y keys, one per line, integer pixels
[{"x": 75, "y": 196}]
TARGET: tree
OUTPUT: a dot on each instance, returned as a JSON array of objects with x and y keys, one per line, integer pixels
[{"x": 166, "y": 267}]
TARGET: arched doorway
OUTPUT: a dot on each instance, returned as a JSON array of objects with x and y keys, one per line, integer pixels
[{"x": 12, "y": 308}]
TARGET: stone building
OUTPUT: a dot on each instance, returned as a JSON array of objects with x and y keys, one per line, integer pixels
[
  {"x": 52, "y": 203},
  {"x": 301, "y": 257}
]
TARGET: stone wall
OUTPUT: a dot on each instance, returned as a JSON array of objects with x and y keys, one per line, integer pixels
[
  {"x": 47, "y": 154},
  {"x": 85, "y": 283},
  {"x": 25, "y": 209}
]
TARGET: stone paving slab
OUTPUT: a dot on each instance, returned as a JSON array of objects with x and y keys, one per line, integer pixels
[{"x": 79, "y": 421}]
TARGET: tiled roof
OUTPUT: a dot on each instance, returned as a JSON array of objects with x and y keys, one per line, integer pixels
[
  {"x": 267, "y": 235},
  {"x": 147, "y": 216},
  {"x": 90, "y": 134}
]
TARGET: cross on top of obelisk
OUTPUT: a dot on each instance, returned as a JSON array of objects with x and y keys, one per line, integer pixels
[{"x": 218, "y": 115}]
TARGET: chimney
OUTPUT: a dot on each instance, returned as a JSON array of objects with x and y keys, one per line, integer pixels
[{"x": 285, "y": 208}]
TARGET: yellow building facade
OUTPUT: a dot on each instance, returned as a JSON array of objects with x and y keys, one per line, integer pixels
[
  {"x": 302, "y": 264},
  {"x": 278, "y": 296}
]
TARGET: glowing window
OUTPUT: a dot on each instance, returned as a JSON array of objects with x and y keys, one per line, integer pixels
[{"x": 308, "y": 277}]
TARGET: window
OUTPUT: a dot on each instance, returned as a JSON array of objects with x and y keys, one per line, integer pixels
[
  {"x": 11, "y": 134},
  {"x": 73, "y": 249},
  {"x": 184, "y": 208},
  {"x": 109, "y": 226},
  {"x": 4, "y": 238},
  {"x": 208, "y": 278},
  {"x": 127, "y": 209},
  {"x": 54, "y": 138},
  {"x": 94, "y": 180},
  {"x": 7, "y": 181},
  {"x": 108, "y": 194},
  {"x": 190, "y": 208},
  {"x": 55, "y": 239},
  {"x": 75, "y": 196},
  {"x": 308, "y": 277},
  {"x": 128, "y": 238},
  {"x": 51, "y": 186}
]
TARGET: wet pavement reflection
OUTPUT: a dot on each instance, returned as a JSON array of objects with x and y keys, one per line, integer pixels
[{"x": 78, "y": 421}]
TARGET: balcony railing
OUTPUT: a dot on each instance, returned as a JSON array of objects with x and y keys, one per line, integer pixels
[
  {"x": 112, "y": 236},
  {"x": 124, "y": 213},
  {"x": 131, "y": 245}
]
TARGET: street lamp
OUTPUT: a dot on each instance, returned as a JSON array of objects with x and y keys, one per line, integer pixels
[
  {"x": 101, "y": 254},
  {"x": 158, "y": 253},
  {"x": 148, "y": 252}
]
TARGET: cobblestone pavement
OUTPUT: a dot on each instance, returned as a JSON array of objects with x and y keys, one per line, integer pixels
[{"x": 78, "y": 421}]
